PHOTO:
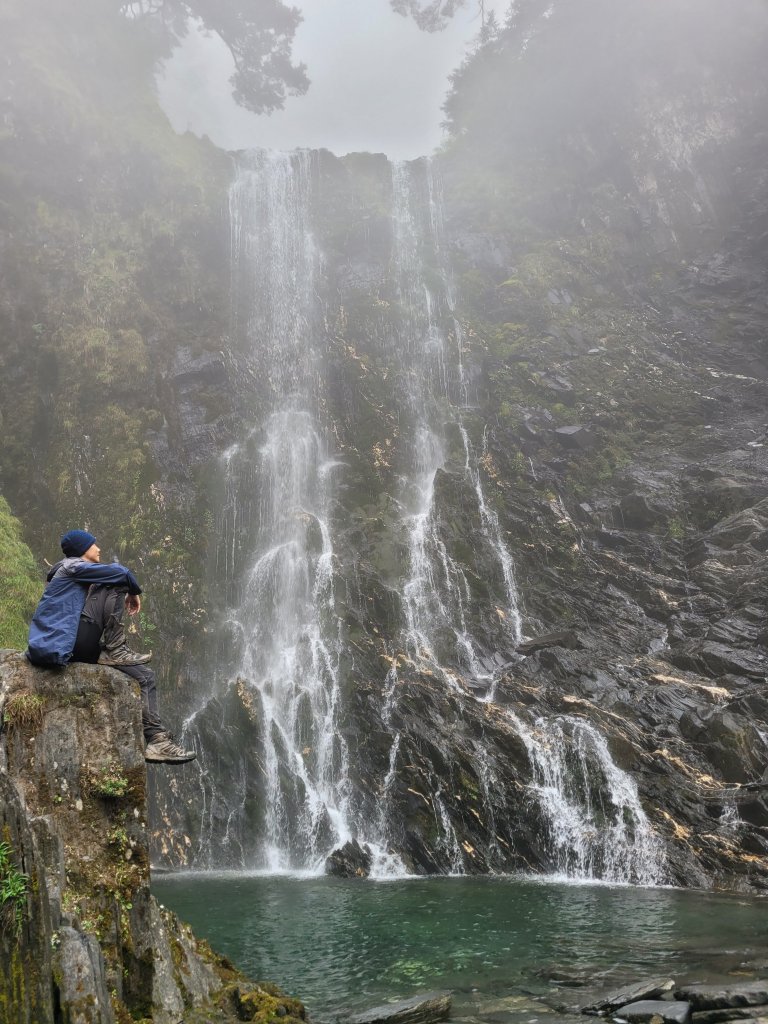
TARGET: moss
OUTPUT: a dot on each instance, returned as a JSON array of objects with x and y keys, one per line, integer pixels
[
  {"x": 21, "y": 583},
  {"x": 265, "y": 1004}
]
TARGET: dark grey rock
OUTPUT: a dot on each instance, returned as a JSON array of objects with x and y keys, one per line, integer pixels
[
  {"x": 25, "y": 978},
  {"x": 643, "y": 990},
  {"x": 424, "y": 1009},
  {"x": 350, "y": 861},
  {"x": 730, "y": 1013},
  {"x": 82, "y": 980},
  {"x": 717, "y": 997},
  {"x": 566, "y": 638},
  {"x": 576, "y": 437},
  {"x": 636, "y": 513},
  {"x": 671, "y": 1011}
]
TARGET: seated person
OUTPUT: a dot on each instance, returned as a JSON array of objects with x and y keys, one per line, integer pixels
[{"x": 80, "y": 618}]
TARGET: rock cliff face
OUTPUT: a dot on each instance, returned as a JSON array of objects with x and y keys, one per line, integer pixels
[
  {"x": 83, "y": 940},
  {"x": 599, "y": 262},
  {"x": 594, "y": 265}
]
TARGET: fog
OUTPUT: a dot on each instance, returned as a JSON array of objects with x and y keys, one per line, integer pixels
[{"x": 377, "y": 82}]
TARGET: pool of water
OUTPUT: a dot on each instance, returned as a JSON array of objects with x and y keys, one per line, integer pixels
[{"x": 500, "y": 944}]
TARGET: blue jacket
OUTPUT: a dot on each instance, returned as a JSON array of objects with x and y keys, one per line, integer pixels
[{"x": 53, "y": 631}]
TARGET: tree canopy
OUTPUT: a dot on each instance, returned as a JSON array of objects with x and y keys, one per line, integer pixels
[{"x": 260, "y": 35}]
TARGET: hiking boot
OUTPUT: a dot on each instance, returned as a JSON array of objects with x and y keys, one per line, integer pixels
[
  {"x": 164, "y": 750},
  {"x": 122, "y": 657}
]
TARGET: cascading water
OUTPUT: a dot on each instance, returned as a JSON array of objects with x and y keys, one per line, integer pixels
[
  {"x": 597, "y": 826},
  {"x": 284, "y": 622},
  {"x": 436, "y": 593},
  {"x": 277, "y": 555}
]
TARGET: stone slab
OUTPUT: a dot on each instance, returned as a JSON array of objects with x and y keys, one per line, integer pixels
[
  {"x": 670, "y": 1011},
  {"x": 718, "y": 997},
  {"x": 651, "y": 988},
  {"x": 424, "y": 1009}
]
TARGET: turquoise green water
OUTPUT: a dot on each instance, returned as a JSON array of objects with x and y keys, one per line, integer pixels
[{"x": 497, "y": 943}]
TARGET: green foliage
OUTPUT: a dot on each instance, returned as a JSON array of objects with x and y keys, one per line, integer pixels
[
  {"x": 119, "y": 837},
  {"x": 106, "y": 780},
  {"x": 23, "y": 709},
  {"x": 21, "y": 585},
  {"x": 14, "y": 888}
]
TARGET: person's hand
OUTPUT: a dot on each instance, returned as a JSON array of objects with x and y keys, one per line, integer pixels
[{"x": 132, "y": 604}]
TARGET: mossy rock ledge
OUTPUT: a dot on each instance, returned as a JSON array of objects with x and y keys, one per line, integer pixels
[{"x": 86, "y": 942}]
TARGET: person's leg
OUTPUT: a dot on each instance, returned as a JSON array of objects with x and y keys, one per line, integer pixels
[
  {"x": 91, "y": 626},
  {"x": 161, "y": 746},
  {"x": 106, "y": 608},
  {"x": 150, "y": 719}
]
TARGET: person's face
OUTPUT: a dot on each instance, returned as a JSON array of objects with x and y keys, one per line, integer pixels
[{"x": 93, "y": 553}]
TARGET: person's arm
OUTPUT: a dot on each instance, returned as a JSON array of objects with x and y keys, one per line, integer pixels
[{"x": 103, "y": 572}]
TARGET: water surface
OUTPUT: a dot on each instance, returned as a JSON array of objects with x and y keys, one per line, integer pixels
[{"x": 497, "y": 943}]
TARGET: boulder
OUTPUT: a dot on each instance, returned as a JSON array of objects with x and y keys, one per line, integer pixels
[
  {"x": 652, "y": 988},
  {"x": 350, "y": 861},
  {"x": 423, "y": 1009}
]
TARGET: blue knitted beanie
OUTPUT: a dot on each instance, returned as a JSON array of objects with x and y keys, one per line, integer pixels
[{"x": 76, "y": 543}]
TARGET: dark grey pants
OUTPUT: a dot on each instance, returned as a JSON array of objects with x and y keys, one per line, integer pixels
[{"x": 103, "y": 615}]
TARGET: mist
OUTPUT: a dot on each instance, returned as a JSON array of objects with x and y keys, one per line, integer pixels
[
  {"x": 444, "y": 486},
  {"x": 377, "y": 82}
]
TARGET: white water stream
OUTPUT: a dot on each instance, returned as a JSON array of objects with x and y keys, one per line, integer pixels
[{"x": 286, "y": 623}]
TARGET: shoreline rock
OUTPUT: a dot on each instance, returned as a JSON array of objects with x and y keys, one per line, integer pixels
[{"x": 424, "y": 1009}]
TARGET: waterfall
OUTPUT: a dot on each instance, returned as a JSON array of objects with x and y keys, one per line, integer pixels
[
  {"x": 279, "y": 527},
  {"x": 595, "y": 822},
  {"x": 284, "y": 622},
  {"x": 597, "y": 828},
  {"x": 437, "y": 596}
]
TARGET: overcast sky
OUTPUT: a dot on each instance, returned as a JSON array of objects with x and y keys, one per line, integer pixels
[{"x": 377, "y": 82}]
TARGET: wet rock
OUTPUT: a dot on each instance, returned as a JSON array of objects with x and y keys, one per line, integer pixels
[
  {"x": 636, "y": 513},
  {"x": 565, "y": 638},
  {"x": 575, "y": 437},
  {"x": 717, "y": 997},
  {"x": 559, "y": 387},
  {"x": 716, "y": 659},
  {"x": 656, "y": 1010},
  {"x": 350, "y": 861},
  {"x": 730, "y": 1013},
  {"x": 643, "y": 990},
  {"x": 425, "y": 1009}
]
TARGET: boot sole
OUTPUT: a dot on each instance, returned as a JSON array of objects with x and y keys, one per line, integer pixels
[
  {"x": 170, "y": 760},
  {"x": 142, "y": 660}
]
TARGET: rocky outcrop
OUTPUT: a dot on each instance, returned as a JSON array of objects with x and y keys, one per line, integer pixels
[{"x": 84, "y": 940}]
